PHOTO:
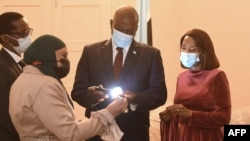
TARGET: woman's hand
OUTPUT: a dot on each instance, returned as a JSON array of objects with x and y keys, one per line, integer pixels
[
  {"x": 118, "y": 106},
  {"x": 166, "y": 115},
  {"x": 179, "y": 109}
]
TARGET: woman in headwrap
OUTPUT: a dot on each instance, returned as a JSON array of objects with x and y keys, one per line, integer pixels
[{"x": 40, "y": 108}]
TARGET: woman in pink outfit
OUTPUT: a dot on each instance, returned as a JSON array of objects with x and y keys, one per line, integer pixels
[{"x": 202, "y": 102}]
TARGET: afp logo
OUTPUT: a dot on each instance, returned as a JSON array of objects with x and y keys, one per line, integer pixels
[{"x": 237, "y": 132}]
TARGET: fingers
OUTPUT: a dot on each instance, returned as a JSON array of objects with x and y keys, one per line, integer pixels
[
  {"x": 181, "y": 110},
  {"x": 165, "y": 118},
  {"x": 171, "y": 111},
  {"x": 95, "y": 88},
  {"x": 175, "y": 108},
  {"x": 129, "y": 95},
  {"x": 92, "y": 88},
  {"x": 101, "y": 86},
  {"x": 98, "y": 95},
  {"x": 123, "y": 104},
  {"x": 126, "y": 107},
  {"x": 118, "y": 106},
  {"x": 166, "y": 115}
]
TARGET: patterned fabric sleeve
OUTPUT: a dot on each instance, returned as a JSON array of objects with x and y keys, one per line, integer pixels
[{"x": 111, "y": 132}]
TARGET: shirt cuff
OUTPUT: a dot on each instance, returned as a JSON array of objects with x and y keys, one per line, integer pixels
[
  {"x": 133, "y": 107},
  {"x": 111, "y": 129}
]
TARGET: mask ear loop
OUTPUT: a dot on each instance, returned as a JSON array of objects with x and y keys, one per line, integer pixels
[
  {"x": 11, "y": 38},
  {"x": 11, "y": 44}
]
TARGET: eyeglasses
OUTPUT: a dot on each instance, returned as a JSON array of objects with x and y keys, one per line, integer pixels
[{"x": 24, "y": 33}]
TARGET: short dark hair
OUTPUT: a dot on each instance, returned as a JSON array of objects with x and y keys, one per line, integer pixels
[
  {"x": 205, "y": 45},
  {"x": 6, "y": 20}
]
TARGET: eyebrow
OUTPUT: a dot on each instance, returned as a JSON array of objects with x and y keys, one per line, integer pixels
[
  {"x": 194, "y": 46},
  {"x": 189, "y": 46}
]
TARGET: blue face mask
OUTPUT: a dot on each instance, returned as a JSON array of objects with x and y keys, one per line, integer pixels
[
  {"x": 121, "y": 39},
  {"x": 189, "y": 59}
]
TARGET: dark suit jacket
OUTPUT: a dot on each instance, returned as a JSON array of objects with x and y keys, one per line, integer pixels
[
  {"x": 142, "y": 73},
  {"x": 9, "y": 71}
]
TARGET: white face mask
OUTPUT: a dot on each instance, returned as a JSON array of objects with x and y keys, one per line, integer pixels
[
  {"x": 121, "y": 39},
  {"x": 23, "y": 44},
  {"x": 189, "y": 59}
]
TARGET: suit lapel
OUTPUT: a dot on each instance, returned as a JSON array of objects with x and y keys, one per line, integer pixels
[
  {"x": 11, "y": 61},
  {"x": 132, "y": 54},
  {"x": 107, "y": 58}
]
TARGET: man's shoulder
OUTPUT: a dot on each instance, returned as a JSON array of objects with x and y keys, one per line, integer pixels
[
  {"x": 99, "y": 43},
  {"x": 4, "y": 55},
  {"x": 146, "y": 46},
  {"x": 5, "y": 58}
]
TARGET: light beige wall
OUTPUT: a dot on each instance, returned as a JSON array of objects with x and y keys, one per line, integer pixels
[{"x": 226, "y": 21}]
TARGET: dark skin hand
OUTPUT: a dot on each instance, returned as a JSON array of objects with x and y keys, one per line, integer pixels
[
  {"x": 99, "y": 95},
  {"x": 129, "y": 95},
  {"x": 175, "y": 110}
]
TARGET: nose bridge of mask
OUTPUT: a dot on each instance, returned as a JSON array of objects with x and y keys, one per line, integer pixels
[
  {"x": 121, "y": 39},
  {"x": 24, "y": 39},
  {"x": 123, "y": 34},
  {"x": 189, "y": 55}
]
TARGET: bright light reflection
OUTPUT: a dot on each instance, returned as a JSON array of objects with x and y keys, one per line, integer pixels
[{"x": 116, "y": 92}]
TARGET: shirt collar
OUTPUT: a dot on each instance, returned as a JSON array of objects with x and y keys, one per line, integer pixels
[{"x": 13, "y": 55}]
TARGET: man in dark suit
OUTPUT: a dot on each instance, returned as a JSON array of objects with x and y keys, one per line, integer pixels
[
  {"x": 14, "y": 38},
  {"x": 142, "y": 76}
]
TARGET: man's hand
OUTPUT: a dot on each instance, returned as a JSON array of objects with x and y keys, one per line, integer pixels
[
  {"x": 131, "y": 97},
  {"x": 97, "y": 94}
]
